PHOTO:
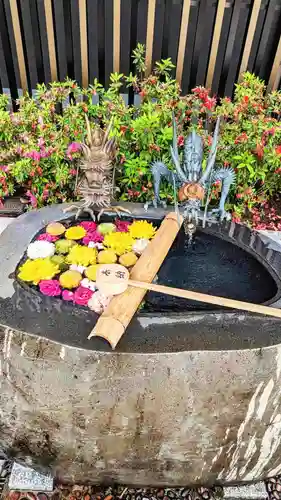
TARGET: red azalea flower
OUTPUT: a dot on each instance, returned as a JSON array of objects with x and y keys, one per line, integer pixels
[
  {"x": 180, "y": 140},
  {"x": 277, "y": 171},
  {"x": 259, "y": 151},
  {"x": 239, "y": 195},
  {"x": 73, "y": 171},
  {"x": 278, "y": 150}
]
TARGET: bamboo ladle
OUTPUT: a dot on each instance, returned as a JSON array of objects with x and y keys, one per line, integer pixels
[{"x": 113, "y": 279}]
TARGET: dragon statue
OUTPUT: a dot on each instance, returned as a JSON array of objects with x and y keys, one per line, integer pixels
[
  {"x": 191, "y": 184},
  {"x": 95, "y": 183}
]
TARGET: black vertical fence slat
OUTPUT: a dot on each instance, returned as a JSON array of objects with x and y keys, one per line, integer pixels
[
  {"x": 257, "y": 35},
  {"x": 92, "y": 28},
  {"x": 3, "y": 66},
  {"x": 158, "y": 31},
  {"x": 108, "y": 40},
  {"x": 68, "y": 38},
  {"x": 44, "y": 41},
  {"x": 244, "y": 11},
  {"x": 59, "y": 29},
  {"x": 141, "y": 9},
  {"x": 76, "y": 45},
  {"x": 174, "y": 31},
  {"x": 101, "y": 41},
  {"x": 133, "y": 29},
  {"x": 37, "y": 40},
  {"x": 189, "y": 47},
  {"x": 125, "y": 36},
  {"x": 217, "y": 78},
  {"x": 269, "y": 39},
  {"x": 28, "y": 44},
  {"x": 13, "y": 53},
  {"x": 206, "y": 39}
]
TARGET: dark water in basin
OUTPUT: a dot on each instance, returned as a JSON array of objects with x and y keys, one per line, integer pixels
[{"x": 210, "y": 265}]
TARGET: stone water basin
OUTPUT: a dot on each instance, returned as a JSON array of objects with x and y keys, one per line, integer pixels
[{"x": 190, "y": 396}]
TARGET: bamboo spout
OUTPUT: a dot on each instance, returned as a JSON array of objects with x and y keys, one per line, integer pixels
[{"x": 113, "y": 322}]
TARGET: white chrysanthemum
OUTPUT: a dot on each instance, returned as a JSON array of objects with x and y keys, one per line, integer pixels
[
  {"x": 40, "y": 249},
  {"x": 140, "y": 245},
  {"x": 98, "y": 246},
  {"x": 91, "y": 285},
  {"x": 99, "y": 302},
  {"x": 76, "y": 267}
]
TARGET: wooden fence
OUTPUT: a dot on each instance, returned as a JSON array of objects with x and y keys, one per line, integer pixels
[{"x": 211, "y": 42}]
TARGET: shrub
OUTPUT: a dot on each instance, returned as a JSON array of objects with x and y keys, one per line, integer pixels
[{"x": 40, "y": 143}]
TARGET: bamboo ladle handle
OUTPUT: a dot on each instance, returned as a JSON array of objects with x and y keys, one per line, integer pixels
[
  {"x": 208, "y": 299},
  {"x": 113, "y": 279}
]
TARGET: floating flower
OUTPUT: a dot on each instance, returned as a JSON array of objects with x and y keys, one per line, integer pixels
[
  {"x": 70, "y": 279},
  {"x": 106, "y": 227},
  {"x": 142, "y": 229},
  {"x": 64, "y": 246},
  {"x": 122, "y": 225},
  {"x": 47, "y": 237},
  {"x": 67, "y": 295},
  {"x": 98, "y": 246},
  {"x": 40, "y": 249},
  {"x": 59, "y": 261},
  {"x": 36, "y": 270},
  {"x": 93, "y": 236},
  {"x": 88, "y": 225},
  {"x": 119, "y": 242},
  {"x": 75, "y": 233},
  {"x": 91, "y": 272},
  {"x": 86, "y": 283},
  {"x": 107, "y": 257},
  {"x": 99, "y": 302},
  {"x": 55, "y": 228},
  {"x": 75, "y": 267},
  {"x": 140, "y": 245},
  {"x": 50, "y": 287},
  {"x": 83, "y": 256},
  {"x": 82, "y": 296},
  {"x": 128, "y": 259}
]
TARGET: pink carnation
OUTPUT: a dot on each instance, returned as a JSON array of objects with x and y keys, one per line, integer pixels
[
  {"x": 94, "y": 236},
  {"x": 47, "y": 237},
  {"x": 122, "y": 225},
  {"x": 88, "y": 225},
  {"x": 67, "y": 295},
  {"x": 50, "y": 287},
  {"x": 82, "y": 296}
]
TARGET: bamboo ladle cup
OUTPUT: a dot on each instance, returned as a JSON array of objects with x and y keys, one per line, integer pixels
[{"x": 113, "y": 279}]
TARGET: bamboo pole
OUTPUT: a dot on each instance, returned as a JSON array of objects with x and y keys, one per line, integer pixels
[{"x": 113, "y": 322}]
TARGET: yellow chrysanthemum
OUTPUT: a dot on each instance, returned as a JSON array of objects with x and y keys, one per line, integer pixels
[
  {"x": 107, "y": 257},
  {"x": 119, "y": 242},
  {"x": 70, "y": 279},
  {"x": 142, "y": 229},
  {"x": 75, "y": 233},
  {"x": 36, "y": 270},
  {"x": 128, "y": 259},
  {"x": 82, "y": 256},
  {"x": 91, "y": 272}
]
